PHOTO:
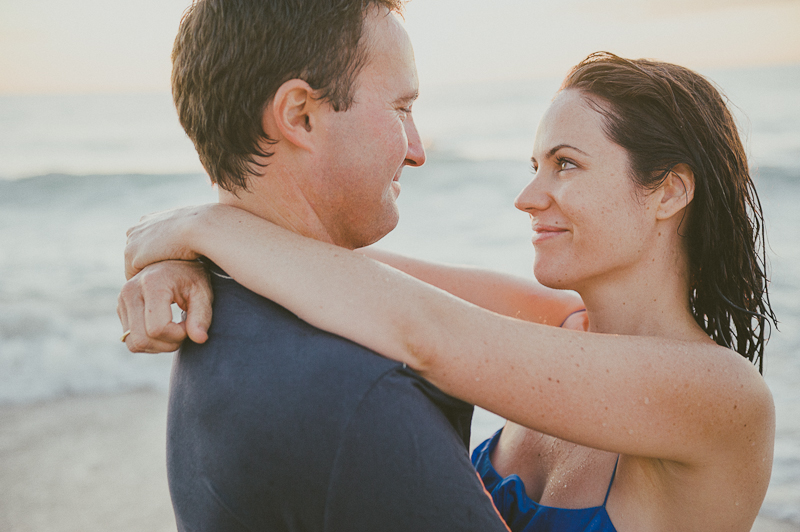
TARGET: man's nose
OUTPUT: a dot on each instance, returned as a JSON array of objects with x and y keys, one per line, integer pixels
[{"x": 415, "y": 156}]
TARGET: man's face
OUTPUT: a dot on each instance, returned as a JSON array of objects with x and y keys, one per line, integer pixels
[{"x": 366, "y": 147}]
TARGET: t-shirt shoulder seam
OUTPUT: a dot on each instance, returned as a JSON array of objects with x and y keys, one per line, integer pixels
[{"x": 378, "y": 380}]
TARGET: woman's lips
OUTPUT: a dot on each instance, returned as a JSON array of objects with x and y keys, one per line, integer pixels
[{"x": 542, "y": 233}]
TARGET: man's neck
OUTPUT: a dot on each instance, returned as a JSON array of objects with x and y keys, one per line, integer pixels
[{"x": 276, "y": 199}]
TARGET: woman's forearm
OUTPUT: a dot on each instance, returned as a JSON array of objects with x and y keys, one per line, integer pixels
[
  {"x": 626, "y": 394},
  {"x": 323, "y": 284},
  {"x": 505, "y": 294}
]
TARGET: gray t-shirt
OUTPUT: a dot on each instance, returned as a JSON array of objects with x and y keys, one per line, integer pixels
[{"x": 276, "y": 425}]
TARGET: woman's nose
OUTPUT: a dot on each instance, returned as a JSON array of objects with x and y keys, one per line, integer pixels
[{"x": 533, "y": 197}]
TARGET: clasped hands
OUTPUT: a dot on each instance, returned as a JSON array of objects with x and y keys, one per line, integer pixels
[{"x": 161, "y": 270}]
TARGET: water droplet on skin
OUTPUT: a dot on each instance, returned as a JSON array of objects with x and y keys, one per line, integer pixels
[{"x": 647, "y": 400}]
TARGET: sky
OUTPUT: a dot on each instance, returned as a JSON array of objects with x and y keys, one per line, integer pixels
[{"x": 90, "y": 46}]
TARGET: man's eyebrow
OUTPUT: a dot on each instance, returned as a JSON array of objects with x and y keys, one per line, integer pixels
[{"x": 409, "y": 97}]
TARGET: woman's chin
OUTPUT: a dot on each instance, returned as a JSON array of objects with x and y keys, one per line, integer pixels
[{"x": 552, "y": 277}]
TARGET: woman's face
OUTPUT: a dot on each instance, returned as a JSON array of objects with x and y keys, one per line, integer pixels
[{"x": 590, "y": 222}]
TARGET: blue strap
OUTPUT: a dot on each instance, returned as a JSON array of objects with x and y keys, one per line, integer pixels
[
  {"x": 570, "y": 315},
  {"x": 612, "y": 480}
]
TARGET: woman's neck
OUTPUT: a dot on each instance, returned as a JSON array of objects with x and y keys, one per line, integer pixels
[{"x": 652, "y": 300}]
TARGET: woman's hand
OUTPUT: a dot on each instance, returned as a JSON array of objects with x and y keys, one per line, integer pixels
[
  {"x": 144, "y": 306},
  {"x": 162, "y": 236}
]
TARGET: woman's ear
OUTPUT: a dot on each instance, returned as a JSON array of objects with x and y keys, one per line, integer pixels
[
  {"x": 677, "y": 191},
  {"x": 292, "y": 112}
]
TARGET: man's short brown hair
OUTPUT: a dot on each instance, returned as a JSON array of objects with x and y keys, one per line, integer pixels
[{"x": 231, "y": 56}]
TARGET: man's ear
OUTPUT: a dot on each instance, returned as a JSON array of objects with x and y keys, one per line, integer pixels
[
  {"x": 677, "y": 191},
  {"x": 293, "y": 113}
]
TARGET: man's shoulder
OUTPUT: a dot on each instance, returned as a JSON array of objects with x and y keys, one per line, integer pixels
[
  {"x": 246, "y": 324},
  {"x": 255, "y": 344},
  {"x": 289, "y": 411},
  {"x": 265, "y": 346}
]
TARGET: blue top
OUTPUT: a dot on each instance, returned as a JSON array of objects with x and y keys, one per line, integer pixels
[
  {"x": 276, "y": 425},
  {"x": 524, "y": 515}
]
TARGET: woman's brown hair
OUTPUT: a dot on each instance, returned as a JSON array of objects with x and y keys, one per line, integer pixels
[{"x": 664, "y": 115}]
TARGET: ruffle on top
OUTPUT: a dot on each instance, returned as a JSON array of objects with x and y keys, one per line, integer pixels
[{"x": 524, "y": 515}]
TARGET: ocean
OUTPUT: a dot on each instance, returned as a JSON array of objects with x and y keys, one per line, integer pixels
[{"x": 77, "y": 170}]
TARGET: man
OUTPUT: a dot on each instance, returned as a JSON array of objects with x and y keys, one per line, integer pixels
[{"x": 301, "y": 114}]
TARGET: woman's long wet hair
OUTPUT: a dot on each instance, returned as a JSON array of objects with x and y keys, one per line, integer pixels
[{"x": 665, "y": 115}]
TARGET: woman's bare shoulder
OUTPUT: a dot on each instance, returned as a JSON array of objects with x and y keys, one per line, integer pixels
[{"x": 577, "y": 321}]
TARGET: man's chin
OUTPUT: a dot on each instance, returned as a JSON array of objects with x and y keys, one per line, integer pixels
[{"x": 382, "y": 227}]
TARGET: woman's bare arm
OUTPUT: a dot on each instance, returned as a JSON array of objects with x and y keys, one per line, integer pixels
[
  {"x": 499, "y": 292},
  {"x": 159, "y": 285},
  {"x": 653, "y": 397}
]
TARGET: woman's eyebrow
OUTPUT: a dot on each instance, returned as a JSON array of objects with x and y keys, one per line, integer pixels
[{"x": 554, "y": 149}]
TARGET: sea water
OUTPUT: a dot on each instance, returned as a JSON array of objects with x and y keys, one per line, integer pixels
[{"x": 76, "y": 171}]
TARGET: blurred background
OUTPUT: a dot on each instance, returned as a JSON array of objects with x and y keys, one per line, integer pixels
[{"x": 89, "y": 141}]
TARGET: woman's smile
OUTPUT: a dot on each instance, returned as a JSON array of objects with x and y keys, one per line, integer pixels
[
  {"x": 582, "y": 187},
  {"x": 542, "y": 233}
]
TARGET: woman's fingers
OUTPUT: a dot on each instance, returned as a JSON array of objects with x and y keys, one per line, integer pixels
[
  {"x": 145, "y": 306},
  {"x": 198, "y": 310},
  {"x": 133, "y": 316},
  {"x": 159, "y": 237}
]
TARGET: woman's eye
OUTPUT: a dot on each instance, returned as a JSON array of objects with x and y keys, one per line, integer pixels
[{"x": 564, "y": 164}]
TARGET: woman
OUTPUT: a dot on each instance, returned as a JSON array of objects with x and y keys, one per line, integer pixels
[{"x": 641, "y": 201}]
